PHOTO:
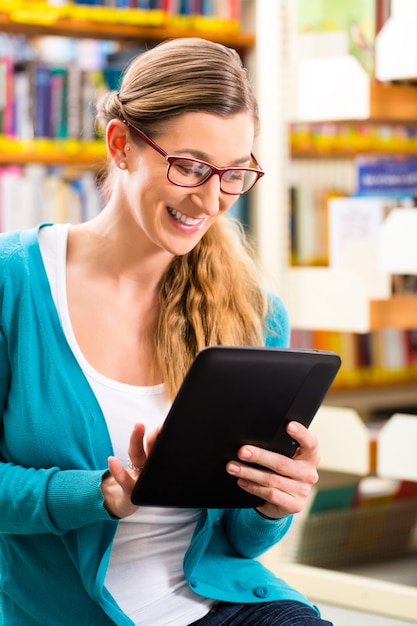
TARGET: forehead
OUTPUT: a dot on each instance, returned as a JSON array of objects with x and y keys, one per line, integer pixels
[{"x": 231, "y": 137}]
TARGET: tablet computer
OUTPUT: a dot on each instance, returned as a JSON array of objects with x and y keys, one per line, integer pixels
[{"x": 231, "y": 396}]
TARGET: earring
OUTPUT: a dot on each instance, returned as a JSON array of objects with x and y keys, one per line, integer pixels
[{"x": 122, "y": 165}]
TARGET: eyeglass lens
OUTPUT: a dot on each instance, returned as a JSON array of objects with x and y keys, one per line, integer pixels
[{"x": 191, "y": 173}]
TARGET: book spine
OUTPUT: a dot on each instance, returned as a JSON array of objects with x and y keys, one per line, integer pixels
[{"x": 42, "y": 100}]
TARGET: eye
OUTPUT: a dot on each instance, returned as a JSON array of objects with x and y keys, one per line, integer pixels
[
  {"x": 191, "y": 168},
  {"x": 234, "y": 175}
]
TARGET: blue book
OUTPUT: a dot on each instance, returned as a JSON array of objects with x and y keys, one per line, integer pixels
[
  {"x": 387, "y": 176},
  {"x": 42, "y": 100}
]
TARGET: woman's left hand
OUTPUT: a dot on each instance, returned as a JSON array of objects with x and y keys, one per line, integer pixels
[{"x": 284, "y": 483}]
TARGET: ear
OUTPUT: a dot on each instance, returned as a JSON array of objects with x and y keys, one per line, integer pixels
[{"x": 117, "y": 137}]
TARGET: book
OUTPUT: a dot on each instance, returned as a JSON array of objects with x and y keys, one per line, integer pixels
[
  {"x": 59, "y": 93},
  {"x": 6, "y": 95},
  {"x": 386, "y": 176},
  {"x": 23, "y": 105},
  {"x": 351, "y": 219},
  {"x": 73, "y": 107},
  {"x": 42, "y": 100}
]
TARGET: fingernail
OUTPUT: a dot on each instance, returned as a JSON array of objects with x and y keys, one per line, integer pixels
[
  {"x": 245, "y": 454},
  {"x": 233, "y": 468},
  {"x": 293, "y": 427}
]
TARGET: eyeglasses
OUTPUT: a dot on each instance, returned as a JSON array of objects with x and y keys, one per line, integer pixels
[{"x": 187, "y": 172}]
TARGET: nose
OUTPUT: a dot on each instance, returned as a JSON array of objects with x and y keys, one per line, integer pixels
[{"x": 207, "y": 196}]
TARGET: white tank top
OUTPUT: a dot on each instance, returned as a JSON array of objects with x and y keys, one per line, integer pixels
[{"x": 145, "y": 574}]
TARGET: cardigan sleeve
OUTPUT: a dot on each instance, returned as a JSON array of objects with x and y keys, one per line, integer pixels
[
  {"x": 4, "y": 373},
  {"x": 277, "y": 325},
  {"x": 250, "y": 534},
  {"x": 34, "y": 501}
]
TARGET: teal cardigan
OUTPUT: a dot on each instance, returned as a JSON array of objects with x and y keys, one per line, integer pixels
[{"x": 55, "y": 534}]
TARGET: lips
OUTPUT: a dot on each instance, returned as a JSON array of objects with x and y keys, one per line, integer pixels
[{"x": 184, "y": 219}]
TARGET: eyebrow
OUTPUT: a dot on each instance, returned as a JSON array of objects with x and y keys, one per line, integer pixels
[{"x": 202, "y": 156}]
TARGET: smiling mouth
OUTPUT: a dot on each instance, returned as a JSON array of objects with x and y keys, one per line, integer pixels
[{"x": 184, "y": 219}]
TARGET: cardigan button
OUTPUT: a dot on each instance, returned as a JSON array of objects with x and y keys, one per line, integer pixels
[
  {"x": 261, "y": 592},
  {"x": 193, "y": 582}
]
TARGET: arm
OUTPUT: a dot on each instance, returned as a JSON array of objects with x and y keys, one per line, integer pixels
[
  {"x": 250, "y": 534},
  {"x": 38, "y": 500}
]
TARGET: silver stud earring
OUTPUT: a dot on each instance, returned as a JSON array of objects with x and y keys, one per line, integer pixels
[{"x": 122, "y": 165}]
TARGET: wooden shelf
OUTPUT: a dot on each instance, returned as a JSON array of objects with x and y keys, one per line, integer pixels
[
  {"x": 314, "y": 152},
  {"x": 393, "y": 103},
  {"x": 357, "y": 592},
  {"x": 366, "y": 399},
  {"x": 127, "y": 32},
  {"x": 47, "y": 151},
  {"x": 400, "y": 311},
  {"x": 52, "y": 159}
]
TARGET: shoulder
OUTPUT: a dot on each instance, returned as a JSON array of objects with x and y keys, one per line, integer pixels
[
  {"x": 17, "y": 243},
  {"x": 277, "y": 325},
  {"x": 9, "y": 244},
  {"x": 17, "y": 260}
]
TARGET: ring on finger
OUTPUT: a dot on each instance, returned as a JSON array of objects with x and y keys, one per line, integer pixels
[{"x": 135, "y": 468}]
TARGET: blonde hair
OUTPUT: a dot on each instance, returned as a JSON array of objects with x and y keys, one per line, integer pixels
[{"x": 213, "y": 295}]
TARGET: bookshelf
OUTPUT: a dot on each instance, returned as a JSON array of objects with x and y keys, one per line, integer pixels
[
  {"x": 126, "y": 26},
  {"x": 347, "y": 140},
  {"x": 319, "y": 298},
  {"x": 69, "y": 161},
  {"x": 148, "y": 28},
  {"x": 319, "y": 94}
]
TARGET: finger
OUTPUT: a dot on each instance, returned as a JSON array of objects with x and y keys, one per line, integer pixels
[
  {"x": 305, "y": 438},
  {"x": 286, "y": 493},
  {"x": 122, "y": 476},
  {"x": 136, "y": 449},
  {"x": 281, "y": 495},
  {"x": 272, "y": 461},
  {"x": 150, "y": 440},
  {"x": 269, "y": 464}
]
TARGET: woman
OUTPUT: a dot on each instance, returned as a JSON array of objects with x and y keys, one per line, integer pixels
[{"x": 99, "y": 323}]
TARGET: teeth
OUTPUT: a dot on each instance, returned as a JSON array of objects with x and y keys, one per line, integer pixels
[{"x": 184, "y": 219}]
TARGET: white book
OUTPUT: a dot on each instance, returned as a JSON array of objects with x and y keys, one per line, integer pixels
[{"x": 353, "y": 219}]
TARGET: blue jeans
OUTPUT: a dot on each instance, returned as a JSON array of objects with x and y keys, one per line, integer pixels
[{"x": 283, "y": 613}]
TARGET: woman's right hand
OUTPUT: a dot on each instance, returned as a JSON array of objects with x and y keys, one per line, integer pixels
[{"x": 118, "y": 482}]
